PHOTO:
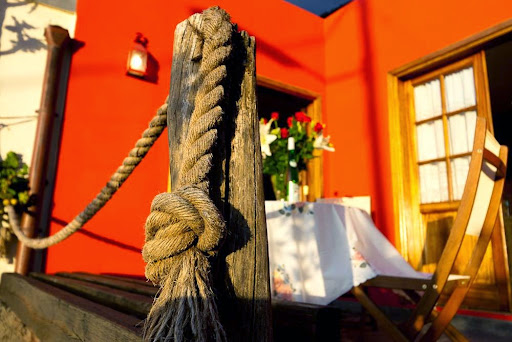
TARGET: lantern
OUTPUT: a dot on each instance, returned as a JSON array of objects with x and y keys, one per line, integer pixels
[{"x": 138, "y": 57}]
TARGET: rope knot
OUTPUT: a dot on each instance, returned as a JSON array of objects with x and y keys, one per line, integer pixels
[{"x": 179, "y": 221}]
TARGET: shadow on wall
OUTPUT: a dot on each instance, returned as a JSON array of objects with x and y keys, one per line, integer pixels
[
  {"x": 367, "y": 71},
  {"x": 276, "y": 54},
  {"x": 24, "y": 41},
  {"x": 99, "y": 237}
]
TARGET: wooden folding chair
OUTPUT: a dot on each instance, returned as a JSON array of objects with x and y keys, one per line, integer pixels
[{"x": 476, "y": 215}]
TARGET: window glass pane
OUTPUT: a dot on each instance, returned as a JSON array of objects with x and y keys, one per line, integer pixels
[
  {"x": 430, "y": 140},
  {"x": 427, "y": 100},
  {"x": 462, "y": 132},
  {"x": 460, "y": 89},
  {"x": 433, "y": 183},
  {"x": 460, "y": 168}
]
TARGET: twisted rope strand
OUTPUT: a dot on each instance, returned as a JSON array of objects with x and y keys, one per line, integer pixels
[
  {"x": 135, "y": 156},
  {"x": 185, "y": 228}
]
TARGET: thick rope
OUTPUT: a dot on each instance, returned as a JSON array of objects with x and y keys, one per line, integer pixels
[
  {"x": 142, "y": 146},
  {"x": 185, "y": 228}
]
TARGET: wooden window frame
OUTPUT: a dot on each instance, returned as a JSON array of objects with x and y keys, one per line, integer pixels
[
  {"x": 403, "y": 168},
  {"x": 482, "y": 108},
  {"x": 314, "y": 176},
  {"x": 405, "y": 199}
]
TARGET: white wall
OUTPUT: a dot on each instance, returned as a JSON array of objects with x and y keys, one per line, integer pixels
[{"x": 22, "y": 66}]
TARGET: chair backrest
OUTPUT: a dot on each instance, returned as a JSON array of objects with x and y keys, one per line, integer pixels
[{"x": 477, "y": 212}]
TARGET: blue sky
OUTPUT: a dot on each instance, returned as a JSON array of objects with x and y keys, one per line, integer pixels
[{"x": 319, "y": 7}]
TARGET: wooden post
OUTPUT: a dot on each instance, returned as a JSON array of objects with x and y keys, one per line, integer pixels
[
  {"x": 57, "y": 39},
  {"x": 236, "y": 184}
]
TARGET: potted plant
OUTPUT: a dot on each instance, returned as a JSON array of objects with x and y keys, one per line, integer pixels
[{"x": 274, "y": 142}]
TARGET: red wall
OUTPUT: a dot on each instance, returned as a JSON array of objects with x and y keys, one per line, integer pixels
[
  {"x": 107, "y": 111},
  {"x": 345, "y": 58},
  {"x": 364, "y": 41}
]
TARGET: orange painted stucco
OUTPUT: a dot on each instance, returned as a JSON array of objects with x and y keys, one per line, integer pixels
[
  {"x": 107, "y": 111},
  {"x": 344, "y": 58},
  {"x": 364, "y": 41}
]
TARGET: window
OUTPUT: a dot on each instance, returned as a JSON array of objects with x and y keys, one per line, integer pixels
[
  {"x": 434, "y": 103},
  {"x": 444, "y": 115}
]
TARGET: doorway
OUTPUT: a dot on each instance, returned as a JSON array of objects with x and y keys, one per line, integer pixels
[
  {"x": 274, "y": 96},
  {"x": 499, "y": 71},
  {"x": 270, "y": 101}
]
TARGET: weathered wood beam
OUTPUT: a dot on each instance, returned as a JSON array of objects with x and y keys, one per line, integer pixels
[
  {"x": 130, "y": 303},
  {"x": 116, "y": 283},
  {"x": 58, "y": 40},
  {"x": 236, "y": 186},
  {"x": 57, "y": 315}
]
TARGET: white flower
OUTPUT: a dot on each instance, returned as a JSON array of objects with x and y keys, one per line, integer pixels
[
  {"x": 266, "y": 138},
  {"x": 322, "y": 142}
]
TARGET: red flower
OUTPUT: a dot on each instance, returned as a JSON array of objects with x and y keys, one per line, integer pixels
[
  {"x": 274, "y": 115},
  {"x": 290, "y": 121},
  {"x": 284, "y": 133},
  {"x": 299, "y": 116},
  {"x": 318, "y": 127},
  {"x": 307, "y": 118},
  {"x": 264, "y": 121}
]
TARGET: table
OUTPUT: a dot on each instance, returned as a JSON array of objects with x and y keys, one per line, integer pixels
[{"x": 319, "y": 251}]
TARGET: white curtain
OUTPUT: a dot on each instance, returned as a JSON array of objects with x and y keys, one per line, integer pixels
[
  {"x": 427, "y": 100},
  {"x": 430, "y": 142},
  {"x": 462, "y": 132},
  {"x": 433, "y": 183},
  {"x": 460, "y": 90},
  {"x": 459, "y": 93},
  {"x": 460, "y": 168},
  {"x": 430, "y": 137}
]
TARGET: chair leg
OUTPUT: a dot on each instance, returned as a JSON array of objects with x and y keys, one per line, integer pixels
[
  {"x": 443, "y": 319},
  {"x": 450, "y": 331},
  {"x": 381, "y": 318}
]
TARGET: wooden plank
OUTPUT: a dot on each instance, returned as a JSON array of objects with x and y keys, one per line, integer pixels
[
  {"x": 403, "y": 283},
  {"x": 57, "y": 315},
  {"x": 236, "y": 182},
  {"x": 130, "y": 303},
  {"x": 113, "y": 282},
  {"x": 286, "y": 88},
  {"x": 128, "y": 279}
]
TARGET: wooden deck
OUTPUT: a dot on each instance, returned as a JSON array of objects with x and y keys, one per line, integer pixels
[
  {"x": 88, "y": 307},
  {"x": 81, "y": 306}
]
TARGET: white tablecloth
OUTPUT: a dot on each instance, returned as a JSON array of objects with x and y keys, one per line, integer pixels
[{"x": 319, "y": 251}]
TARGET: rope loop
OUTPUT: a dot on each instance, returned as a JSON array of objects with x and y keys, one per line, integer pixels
[
  {"x": 185, "y": 228},
  {"x": 178, "y": 221}
]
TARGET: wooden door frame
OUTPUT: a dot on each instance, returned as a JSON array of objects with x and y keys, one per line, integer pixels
[
  {"x": 314, "y": 111},
  {"x": 405, "y": 199}
]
